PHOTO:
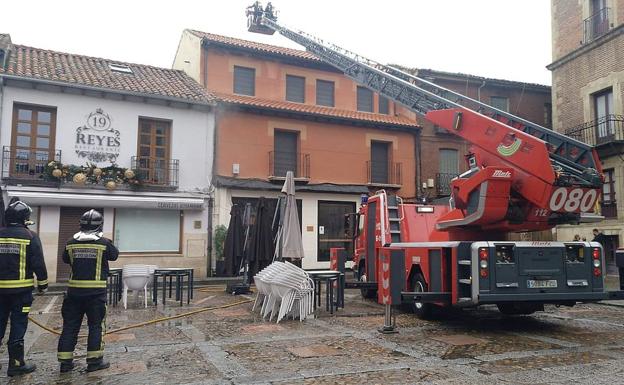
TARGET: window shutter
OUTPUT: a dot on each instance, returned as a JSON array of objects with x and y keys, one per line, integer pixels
[
  {"x": 380, "y": 164},
  {"x": 295, "y": 89},
  {"x": 324, "y": 93},
  {"x": 364, "y": 99},
  {"x": 383, "y": 105},
  {"x": 244, "y": 81},
  {"x": 449, "y": 163}
]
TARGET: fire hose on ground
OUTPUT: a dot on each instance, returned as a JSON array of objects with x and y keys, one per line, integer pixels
[{"x": 150, "y": 322}]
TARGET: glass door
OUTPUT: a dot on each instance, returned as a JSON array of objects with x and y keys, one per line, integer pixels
[{"x": 331, "y": 227}]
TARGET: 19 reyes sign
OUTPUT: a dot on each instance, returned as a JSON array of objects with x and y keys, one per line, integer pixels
[{"x": 573, "y": 199}]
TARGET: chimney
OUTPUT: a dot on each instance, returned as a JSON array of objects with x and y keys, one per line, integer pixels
[{"x": 5, "y": 47}]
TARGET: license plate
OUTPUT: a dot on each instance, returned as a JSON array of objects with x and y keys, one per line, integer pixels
[{"x": 541, "y": 283}]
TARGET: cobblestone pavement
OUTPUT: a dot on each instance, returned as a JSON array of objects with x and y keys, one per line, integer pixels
[{"x": 583, "y": 345}]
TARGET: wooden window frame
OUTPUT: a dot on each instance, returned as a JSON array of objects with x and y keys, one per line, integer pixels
[
  {"x": 152, "y": 146},
  {"x": 35, "y": 110}
]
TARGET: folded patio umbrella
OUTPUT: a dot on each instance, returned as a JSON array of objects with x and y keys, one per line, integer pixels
[
  {"x": 290, "y": 240},
  {"x": 260, "y": 245},
  {"x": 233, "y": 249}
]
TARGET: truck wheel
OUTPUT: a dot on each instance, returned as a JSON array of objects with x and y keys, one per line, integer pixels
[
  {"x": 422, "y": 310},
  {"x": 366, "y": 293}
]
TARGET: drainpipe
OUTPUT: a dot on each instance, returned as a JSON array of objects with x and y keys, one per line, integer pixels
[
  {"x": 418, "y": 159},
  {"x": 479, "y": 90},
  {"x": 209, "y": 246}
]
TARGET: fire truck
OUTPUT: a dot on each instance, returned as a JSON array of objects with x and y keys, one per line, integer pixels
[{"x": 521, "y": 177}]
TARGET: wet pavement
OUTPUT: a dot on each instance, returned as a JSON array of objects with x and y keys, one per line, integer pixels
[{"x": 233, "y": 345}]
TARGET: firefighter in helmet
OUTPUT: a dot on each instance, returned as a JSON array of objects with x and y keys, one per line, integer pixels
[
  {"x": 21, "y": 255},
  {"x": 88, "y": 253}
]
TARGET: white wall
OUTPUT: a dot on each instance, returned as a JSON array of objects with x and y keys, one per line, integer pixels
[
  {"x": 192, "y": 131},
  {"x": 187, "y": 57}
]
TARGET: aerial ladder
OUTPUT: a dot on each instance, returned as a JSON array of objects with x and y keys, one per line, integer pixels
[{"x": 522, "y": 177}]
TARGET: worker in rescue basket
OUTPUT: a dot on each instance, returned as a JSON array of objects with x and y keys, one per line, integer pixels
[
  {"x": 20, "y": 255},
  {"x": 88, "y": 253}
]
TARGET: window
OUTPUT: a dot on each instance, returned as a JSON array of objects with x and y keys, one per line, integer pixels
[
  {"x": 331, "y": 227},
  {"x": 380, "y": 162},
  {"x": 295, "y": 89},
  {"x": 548, "y": 115},
  {"x": 32, "y": 139},
  {"x": 384, "y": 107},
  {"x": 153, "y": 163},
  {"x": 271, "y": 207},
  {"x": 144, "y": 230},
  {"x": 325, "y": 93},
  {"x": 500, "y": 102},
  {"x": 120, "y": 68},
  {"x": 603, "y": 108},
  {"x": 285, "y": 152},
  {"x": 597, "y": 24},
  {"x": 449, "y": 161},
  {"x": 364, "y": 99},
  {"x": 244, "y": 81},
  {"x": 609, "y": 207}
]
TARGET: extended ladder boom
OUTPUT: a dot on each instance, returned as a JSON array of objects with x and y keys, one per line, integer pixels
[{"x": 574, "y": 162}]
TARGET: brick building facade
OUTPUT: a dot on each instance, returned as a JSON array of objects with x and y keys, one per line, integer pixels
[{"x": 588, "y": 97}]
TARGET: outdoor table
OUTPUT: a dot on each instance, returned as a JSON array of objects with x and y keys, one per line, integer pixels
[
  {"x": 114, "y": 285},
  {"x": 179, "y": 273},
  {"x": 330, "y": 277}
]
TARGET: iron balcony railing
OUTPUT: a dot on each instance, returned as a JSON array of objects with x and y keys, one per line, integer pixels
[
  {"x": 596, "y": 25},
  {"x": 25, "y": 163},
  {"x": 156, "y": 172},
  {"x": 443, "y": 183},
  {"x": 609, "y": 128},
  {"x": 384, "y": 173},
  {"x": 281, "y": 162}
]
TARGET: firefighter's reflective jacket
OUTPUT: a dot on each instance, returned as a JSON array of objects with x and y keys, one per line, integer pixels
[
  {"x": 88, "y": 256},
  {"x": 21, "y": 255}
]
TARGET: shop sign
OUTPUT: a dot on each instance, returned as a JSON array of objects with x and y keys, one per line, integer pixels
[
  {"x": 180, "y": 205},
  {"x": 97, "y": 141}
]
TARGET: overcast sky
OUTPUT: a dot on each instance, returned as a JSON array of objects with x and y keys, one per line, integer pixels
[{"x": 507, "y": 39}]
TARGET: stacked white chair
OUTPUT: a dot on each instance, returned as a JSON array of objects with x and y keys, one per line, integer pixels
[
  {"x": 136, "y": 278},
  {"x": 282, "y": 285}
]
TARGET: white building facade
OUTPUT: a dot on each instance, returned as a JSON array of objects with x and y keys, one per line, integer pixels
[{"x": 133, "y": 141}]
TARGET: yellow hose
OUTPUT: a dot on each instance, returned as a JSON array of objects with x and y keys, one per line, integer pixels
[{"x": 150, "y": 322}]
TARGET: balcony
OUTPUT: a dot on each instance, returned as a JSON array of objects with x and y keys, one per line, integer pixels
[
  {"x": 596, "y": 25},
  {"x": 282, "y": 161},
  {"x": 384, "y": 174},
  {"x": 443, "y": 184},
  {"x": 26, "y": 165},
  {"x": 156, "y": 172},
  {"x": 608, "y": 130}
]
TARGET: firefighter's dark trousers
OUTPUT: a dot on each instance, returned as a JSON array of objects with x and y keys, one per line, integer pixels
[
  {"x": 73, "y": 310},
  {"x": 15, "y": 306}
]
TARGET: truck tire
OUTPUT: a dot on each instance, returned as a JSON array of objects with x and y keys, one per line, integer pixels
[
  {"x": 422, "y": 310},
  {"x": 366, "y": 293}
]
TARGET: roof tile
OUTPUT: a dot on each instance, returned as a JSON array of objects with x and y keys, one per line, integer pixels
[
  {"x": 36, "y": 63},
  {"x": 317, "y": 110},
  {"x": 255, "y": 46}
]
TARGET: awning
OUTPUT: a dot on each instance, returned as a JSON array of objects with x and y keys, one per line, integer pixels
[{"x": 41, "y": 198}]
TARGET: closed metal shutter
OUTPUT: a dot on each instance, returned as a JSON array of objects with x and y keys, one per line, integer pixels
[
  {"x": 379, "y": 162},
  {"x": 364, "y": 99},
  {"x": 295, "y": 89},
  {"x": 383, "y": 105},
  {"x": 449, "y": 162},
  {"x": 68, "y": 226},
  {"x": 285, "y": 143},
  {"x": 244, "y": 81},
  {"x": 325, "y": 93}
]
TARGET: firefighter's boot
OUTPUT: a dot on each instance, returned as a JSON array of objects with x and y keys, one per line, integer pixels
[
  {"x": 67, "y": 366},
  {"x": 97, "y": 364},
  {"x": 17, "y": 365}
]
